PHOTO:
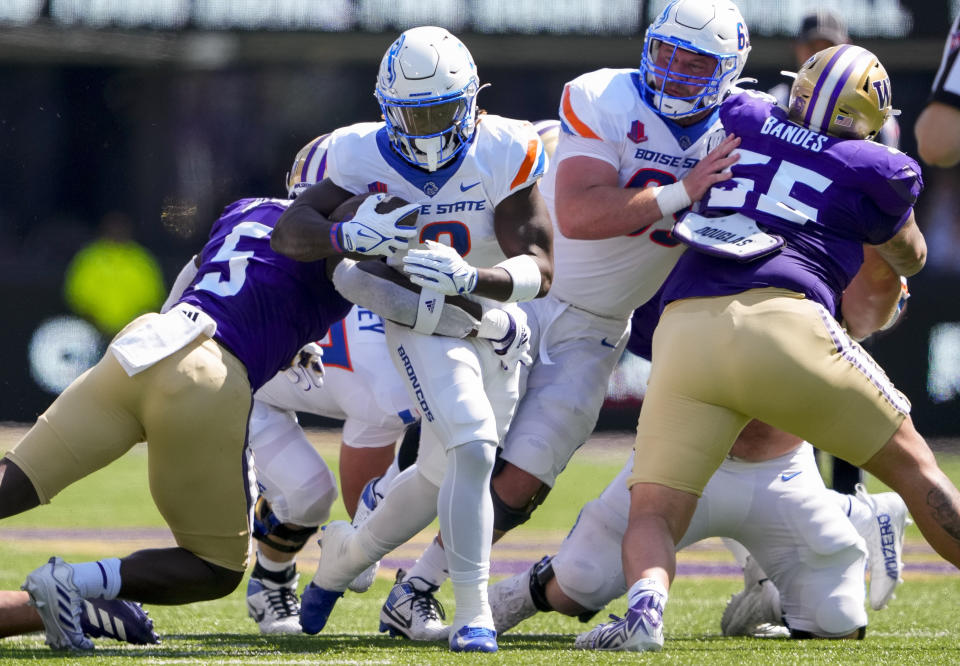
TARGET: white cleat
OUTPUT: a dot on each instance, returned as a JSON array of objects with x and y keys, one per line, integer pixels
[
  {"x": 335, "y": 570},
  {"x": 369, "y": 499},
  {"x": 411, "y": 611},
  {"x": 58, "y": 601},
  {"x": 510, "y": 601},
  {"x": 884, "y": 537},
  {"x": 275, "y": 607},
  {"x": 755, "y": 610},
  {"x": 641, "y": 630}
]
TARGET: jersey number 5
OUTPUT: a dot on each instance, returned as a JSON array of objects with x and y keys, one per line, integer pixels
[{"x": 236, "y": 268}]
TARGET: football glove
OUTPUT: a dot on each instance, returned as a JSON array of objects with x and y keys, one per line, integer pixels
[
  {"x": 307, "y": 367},
  {"x": 514, "y": 347},
  {"x": 440, "y": 268},
  {"x": 381, "y": 234}
]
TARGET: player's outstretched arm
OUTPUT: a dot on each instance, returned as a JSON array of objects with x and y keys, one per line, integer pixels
[
  {"x": 592, "y": 205},
  {"x": 303, "y": 231},
  {"x": 872, "y": 300},
  {"x": 907, "y": 251}
]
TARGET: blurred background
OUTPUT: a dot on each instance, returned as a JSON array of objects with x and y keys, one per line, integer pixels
[{"x": 126, "y": 126}]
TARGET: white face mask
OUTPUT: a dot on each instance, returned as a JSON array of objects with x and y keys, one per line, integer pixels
[{"x": 431, "y": 149}]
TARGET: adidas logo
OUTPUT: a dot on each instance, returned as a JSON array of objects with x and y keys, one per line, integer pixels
[{"x": 431, "y": 304}]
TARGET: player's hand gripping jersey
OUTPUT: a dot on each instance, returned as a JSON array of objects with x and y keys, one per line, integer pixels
[
  {"x": 823, "y": 195},
  {"x": 264, "y": 321},
  {"x": 605, "y": 117}
]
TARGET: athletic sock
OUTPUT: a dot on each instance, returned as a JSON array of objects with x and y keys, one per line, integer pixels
[
  {"x": 100, "y": 579},
  {"x": 432, "y": 565}
]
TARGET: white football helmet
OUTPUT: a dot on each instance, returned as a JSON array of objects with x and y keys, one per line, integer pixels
[
  {"x": 712, "y": 28},
  {"x": 427, "y": 89}
]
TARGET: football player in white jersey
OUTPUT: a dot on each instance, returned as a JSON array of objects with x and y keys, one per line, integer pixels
[
  {"x": 483, "y": 230},
  {"x": 635, "y": 149}
]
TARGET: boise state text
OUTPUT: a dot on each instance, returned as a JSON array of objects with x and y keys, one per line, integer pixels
[
  {"x": 675, "y": 161},
  {"x": 454, "y": 207}
]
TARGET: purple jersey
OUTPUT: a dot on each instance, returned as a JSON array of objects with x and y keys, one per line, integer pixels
[
  {"x": 267, "y": 306},
  {"x": 825, "y": 196},
  {"x": 642, "y": 324}
]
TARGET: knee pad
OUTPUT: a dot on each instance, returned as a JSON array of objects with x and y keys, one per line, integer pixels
[
  {"x": 268, "y": 529},
  {"x": 506, "y": 517},
  {"x": 540, "y": 575}
]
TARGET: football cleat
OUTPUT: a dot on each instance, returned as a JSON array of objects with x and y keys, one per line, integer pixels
[
  {"x": 884, "y": 537},
  {"x": 473, "y": 639},
  {"x": 275, "y": 607},
  {"x": 511, "y": 602},
  {"x": 640, "y": 631},
  {"x": 125, "y": 621},
  {"x": 411, "y": 611},
  {"x": 58, "y": 601},
  {"x": 316, "y": 606},
  {"x": 369, "y": 499},
  {"x": 755, "y": 610}
]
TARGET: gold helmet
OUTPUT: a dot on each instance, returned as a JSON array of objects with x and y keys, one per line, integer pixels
[{"x": 842, "y": 91}]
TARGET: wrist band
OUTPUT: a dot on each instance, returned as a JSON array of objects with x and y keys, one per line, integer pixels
[
  {"x": 671, "y": 198},
  {"x": 429, "y": 308},
  {"x": 334, "y": 240},
  {"x": 525, "y": 274}
]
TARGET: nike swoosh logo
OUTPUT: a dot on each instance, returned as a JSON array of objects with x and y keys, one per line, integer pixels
[
  {"x": 787, "y": 477},
  {"x": 607, "y": 344},
  {"x": 468, "y": 187}
]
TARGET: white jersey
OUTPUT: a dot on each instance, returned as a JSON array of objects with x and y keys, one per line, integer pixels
[
  {"x": 457, "y": 201},
  {"x": 605, "y": 117},
  {"x": 946, "y": 85},
  {"x": 360, "y": 384}
]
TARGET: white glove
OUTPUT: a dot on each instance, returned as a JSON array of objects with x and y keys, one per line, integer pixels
[
  {"x": 307, "y": 367},
  {"x": 382, "y": 234},
  {"x": 441, "y": 268},
  {"x": 514, "y": 347}
]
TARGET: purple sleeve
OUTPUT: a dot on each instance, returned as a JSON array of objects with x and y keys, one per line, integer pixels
[{"x": 892, "y": 182}]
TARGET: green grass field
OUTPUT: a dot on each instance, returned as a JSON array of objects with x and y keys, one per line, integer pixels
[{"x": 110, "y": 513}]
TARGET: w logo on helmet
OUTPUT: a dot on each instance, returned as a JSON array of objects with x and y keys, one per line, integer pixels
[{"x": 883, "y": 92}]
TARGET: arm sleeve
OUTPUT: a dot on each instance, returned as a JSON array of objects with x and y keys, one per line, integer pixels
[{"x": 946, "y": 84}]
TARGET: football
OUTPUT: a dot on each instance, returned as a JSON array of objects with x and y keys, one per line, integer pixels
[{"x": 348, "y": 208}]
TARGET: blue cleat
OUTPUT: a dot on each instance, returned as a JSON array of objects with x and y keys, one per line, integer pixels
[
  {"x": 125, "y": 621},
  {"x": 473, "y": 639},
  {"x": 316, "y": 604}
]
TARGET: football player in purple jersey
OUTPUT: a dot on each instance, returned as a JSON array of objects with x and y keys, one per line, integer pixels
[
  {"x": 749, "y": 329},
  {"x": 183, "y": 382}
]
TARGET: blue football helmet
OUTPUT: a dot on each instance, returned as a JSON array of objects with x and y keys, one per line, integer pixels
[
  {"x": 712, "y": 28},
  {"x": 427, "y": 88}
]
